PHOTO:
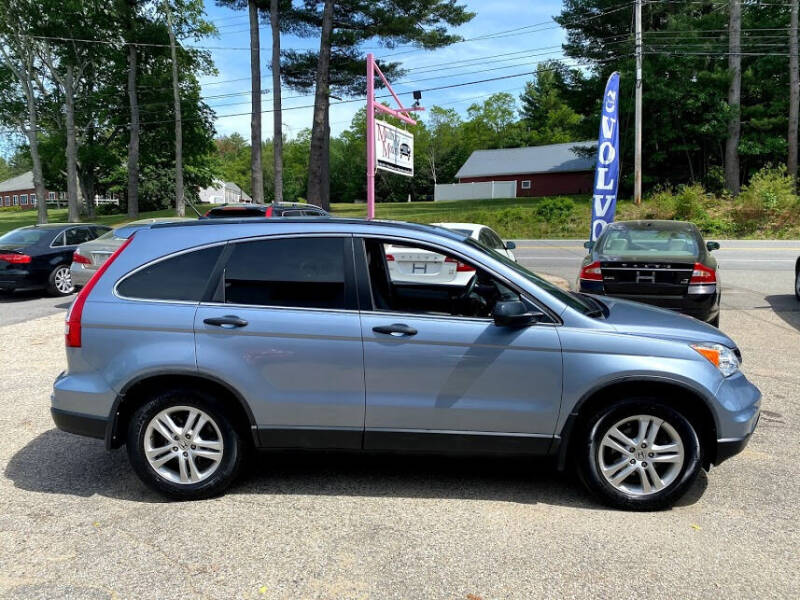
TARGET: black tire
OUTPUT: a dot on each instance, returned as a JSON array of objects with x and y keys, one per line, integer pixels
[
  {"x": 797, "y": 284},
  {"x": 714, "y": 321},
  {"x": 588, "y": 462},
  {"x": 232, "y": 452},
  {"x": 54, "y": 287}
]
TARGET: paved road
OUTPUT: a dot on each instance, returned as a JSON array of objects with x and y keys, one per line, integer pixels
[{"x": 76, "y": 523}]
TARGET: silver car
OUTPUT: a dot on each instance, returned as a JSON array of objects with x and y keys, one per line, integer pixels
[
  {"x": 88, "y": 257},
  {"x": 198, "y": 342}
]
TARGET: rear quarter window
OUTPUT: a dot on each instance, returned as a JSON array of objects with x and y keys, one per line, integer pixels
[{"x": 183, "y": 277}]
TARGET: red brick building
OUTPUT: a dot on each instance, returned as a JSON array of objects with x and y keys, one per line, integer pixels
[
  {"x": 19, "y": 191},
  {"x": 555, "y": 169}
]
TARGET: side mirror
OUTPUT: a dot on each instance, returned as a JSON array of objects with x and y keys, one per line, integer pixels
[
  {"x": 510, "y": 245},
  {"x": 588, "y": 245},
  {"x": 712, "y": 246},
  {"x": 514, "y": 313}
]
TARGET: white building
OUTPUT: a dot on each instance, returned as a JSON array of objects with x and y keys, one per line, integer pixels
[{"x": 224, "y": 192}]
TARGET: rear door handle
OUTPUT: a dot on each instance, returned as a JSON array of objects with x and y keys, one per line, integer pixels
[
  {"x": 228, "y": 321},
  {"x": 395, "y": 329}
]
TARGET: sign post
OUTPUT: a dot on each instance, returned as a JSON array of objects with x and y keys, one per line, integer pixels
[{"x": 395, "y": 157}]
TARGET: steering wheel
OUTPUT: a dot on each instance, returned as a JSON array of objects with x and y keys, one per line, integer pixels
[{"x": 467, "y": 304}]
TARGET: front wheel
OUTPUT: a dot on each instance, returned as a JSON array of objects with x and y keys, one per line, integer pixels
[
  {"x": 181, "y": 444},
  {"x": 60, "y": 281},
  {"x": 639, "y": 454}
]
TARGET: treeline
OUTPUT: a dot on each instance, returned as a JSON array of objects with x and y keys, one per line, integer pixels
[{"x": 87, "y": 87}]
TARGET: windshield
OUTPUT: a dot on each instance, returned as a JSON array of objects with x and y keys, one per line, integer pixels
[
  {"x": 625, "y": 241},
  {"x": 464, "y": 232},
  {"x": 26, "y": 236},
  {"x": 582, "y": 304}
]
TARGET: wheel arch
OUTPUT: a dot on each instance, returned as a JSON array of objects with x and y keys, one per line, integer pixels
[
  {"x": 135, "y": 392},
  {"x": 691, "y": 403}
]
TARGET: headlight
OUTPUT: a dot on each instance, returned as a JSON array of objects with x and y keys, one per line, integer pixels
[{"x": 720, "y": 356}]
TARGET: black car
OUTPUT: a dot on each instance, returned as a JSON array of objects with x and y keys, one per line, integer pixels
[
  {"x": 664, "y": 263},
  {"x": 288, "y": 209},
  {"x": 39, "y": 256}
]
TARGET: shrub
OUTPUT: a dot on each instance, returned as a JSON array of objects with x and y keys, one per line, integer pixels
[
  {"x": 690, "y": 202},
  {"x": 107, "y": 209},
  {"x": 660, "y": 205},
  {"x": 556, "y": 210},
  {"x": 768, "y": 198},
  {"x": 9, "y": 209}
]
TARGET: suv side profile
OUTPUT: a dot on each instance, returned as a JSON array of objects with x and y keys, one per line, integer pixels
[{"x": 198, "y": 342}]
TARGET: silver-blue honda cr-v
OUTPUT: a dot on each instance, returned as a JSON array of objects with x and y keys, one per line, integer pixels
[{"x": 197, "y": 342}]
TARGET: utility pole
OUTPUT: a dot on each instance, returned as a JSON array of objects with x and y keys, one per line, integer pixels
[
  {"x": 637, "y": 161},
  {"x": 734, "y": 97},
  {"x": 256, "y": 169},
  {"x": 794, "y": 94}
]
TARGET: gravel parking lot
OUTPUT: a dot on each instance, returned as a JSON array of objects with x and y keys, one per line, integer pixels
[{"x": 75, "y": 522}]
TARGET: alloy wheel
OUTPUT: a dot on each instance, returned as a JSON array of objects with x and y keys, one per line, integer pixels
[
  {"x": 640, "y": 455},
  {"x": 63, "y": 280},
  {"x": 183, "y": 444}
]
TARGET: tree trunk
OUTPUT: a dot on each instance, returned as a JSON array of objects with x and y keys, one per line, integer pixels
[
  {"x": 180, "y": 205},
  {"x": 73, "y": 202},
  {"x": 277, "y": 118},
  {"x": 734, "y": 97},
  {"x": 256, "y": 169},
  {"x": 794, "y": 93},
  {"x": 316, "y": 167},
  {"x": 87, "y": 187},
  {"x": 133, "y": 146},
  {"x": 36, "y": 160}
]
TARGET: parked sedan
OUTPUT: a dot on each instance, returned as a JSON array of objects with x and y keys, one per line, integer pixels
[
  {"x": 664, "y": 263},
  {"x": 39, "y": 256},
  {"x": 416, "y": 265},
  {"x": 88, "y": 257},
  {"x": 283, "y": 209}
]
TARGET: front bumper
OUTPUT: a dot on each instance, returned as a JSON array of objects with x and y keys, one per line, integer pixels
[{"x": 739, "y": 408}]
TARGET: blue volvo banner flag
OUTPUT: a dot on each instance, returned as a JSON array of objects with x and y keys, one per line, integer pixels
[{"x": 606, "y": 178}]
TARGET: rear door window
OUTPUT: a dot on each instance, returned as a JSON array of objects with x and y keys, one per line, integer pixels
[
  {"x": 183, "y": 277},
  {"x": 303, "y": 272},
  {"x": 78, "y": 235}
]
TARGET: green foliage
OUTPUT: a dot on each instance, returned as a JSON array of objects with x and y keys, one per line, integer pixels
[
  {"x": 108, "y": 209},
  {"x": 689, "y": 202},
  {"x": 555, "y": 210}
]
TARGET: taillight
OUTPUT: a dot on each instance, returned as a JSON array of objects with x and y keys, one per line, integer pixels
[
  {"x": 72, "y": 327},
  {"x": 460, "y": 266},
  {"x": 702, "y": 274},
  {"x": 268, "y": 212},
  {"x": 79, "y": 258},
  {"x": 389, "y": 258},
  {"x": 16, "y": 259},
  {"x": 592, "y": 272},
  {"x": 208, "y": 212}
]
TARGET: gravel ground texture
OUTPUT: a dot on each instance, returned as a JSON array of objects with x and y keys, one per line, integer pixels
[{"x": 76, "y": 523}]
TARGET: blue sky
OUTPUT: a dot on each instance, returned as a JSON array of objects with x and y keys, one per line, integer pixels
[{"x": 524, "y": 32}]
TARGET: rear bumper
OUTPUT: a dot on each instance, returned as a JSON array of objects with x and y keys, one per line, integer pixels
[
  {"x": 700, "y": 306},
  {"x": 22, "y": 279},
  {"x": 80, "y": 274},
  {"x": 80, "y": 424}
]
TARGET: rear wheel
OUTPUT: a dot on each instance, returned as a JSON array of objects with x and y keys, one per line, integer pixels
[
  {"x": 182, "y": 444},
  {"x": 60, "y": 281},
  {"x": 639, "y": 454}
]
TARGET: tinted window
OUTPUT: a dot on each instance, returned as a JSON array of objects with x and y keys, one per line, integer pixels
[
  {"x": 25, "y": 236},
  {"x": 78, "y": 235},
  {"x": 182, "y": 277},
  {"x": 59, "y": 240},
  {"x": 299, "y": 272},
  {"x": 235, "y": 211}
]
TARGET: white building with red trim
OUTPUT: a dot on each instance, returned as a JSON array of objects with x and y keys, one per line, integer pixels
[{"x": 20, "y": 191}]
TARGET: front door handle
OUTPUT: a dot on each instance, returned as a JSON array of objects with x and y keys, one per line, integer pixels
[
  {"x": 396, "y": 329},
  {"x": 228, "y": 321}
]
